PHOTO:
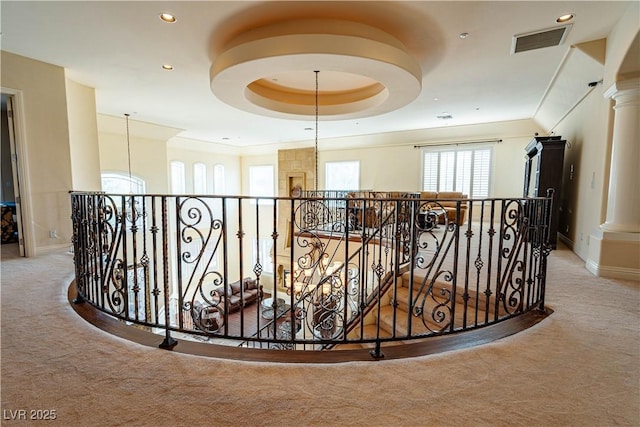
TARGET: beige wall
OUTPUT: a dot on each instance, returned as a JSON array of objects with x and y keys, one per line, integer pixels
[
  {"x": 83, "y": 137},
  {"x": 148, "y": 159},
  {"x": 381, "y": 169},
  {"x": 583, "y": 195},
  {"x": 619, "y": 42},
  {"x": 398, "y": 166},
  {"x": 588, "y": 128},
  {"x": 180, "y": 151},
  {"x": 47, "y": 177}
]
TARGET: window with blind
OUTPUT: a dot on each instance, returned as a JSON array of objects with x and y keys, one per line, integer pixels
[{"x": 464, "y": 170}]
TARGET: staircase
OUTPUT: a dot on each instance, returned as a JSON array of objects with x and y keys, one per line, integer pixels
[{"x": 441, "y": 312}]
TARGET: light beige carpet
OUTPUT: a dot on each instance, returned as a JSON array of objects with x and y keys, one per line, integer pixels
[{"x": 579, "y": 367}]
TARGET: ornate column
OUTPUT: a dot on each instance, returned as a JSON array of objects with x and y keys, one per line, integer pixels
[
  {"x": 623, "y": 206},
  {"x": 615, "y": 248}
]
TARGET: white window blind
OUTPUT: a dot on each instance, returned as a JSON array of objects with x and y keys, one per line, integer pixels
[
  {"x": 465, "y": 170},
  {"x": 430, "y": 180},
  {"x": 447, "y": 171},
  {"x": 482, "y": 173}
]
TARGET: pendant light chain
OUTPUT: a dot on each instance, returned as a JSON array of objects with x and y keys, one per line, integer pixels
[{"x": 316, "y": 147}]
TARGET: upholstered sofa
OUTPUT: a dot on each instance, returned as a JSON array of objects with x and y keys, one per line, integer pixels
[
  {"x": 367, "y": 214},
  {"x": 251, "y": 292},
  {"x": 448, "y": 200},
  {"x": 368, "y": 217}
]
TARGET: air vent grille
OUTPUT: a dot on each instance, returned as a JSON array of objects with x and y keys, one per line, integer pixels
[{"x": 539, "y": 39}]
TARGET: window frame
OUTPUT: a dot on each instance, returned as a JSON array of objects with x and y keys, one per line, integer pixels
[
  {"x": 219, "y": 184},
  {"x": 453, "y": 153},
  {"x": 173, "y": 177},
  {"x": 328, "y": 174},
  {"x": 200, "y": 184},
  {"x": 138, "y": 181},
  {"x": 268, "y": 198}
]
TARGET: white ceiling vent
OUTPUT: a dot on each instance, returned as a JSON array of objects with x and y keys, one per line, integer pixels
[{"x": 536, "y": 40}]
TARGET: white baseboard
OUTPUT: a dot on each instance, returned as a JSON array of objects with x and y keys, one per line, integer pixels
[
  {"x": 613, "y": 272},
  {"x": 567, "y": 242}
]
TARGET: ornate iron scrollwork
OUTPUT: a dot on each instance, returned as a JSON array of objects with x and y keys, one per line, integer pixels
[{"x": 202, "y": 286}]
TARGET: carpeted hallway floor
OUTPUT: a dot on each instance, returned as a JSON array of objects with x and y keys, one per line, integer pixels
[{"x": 579, "y": 367}]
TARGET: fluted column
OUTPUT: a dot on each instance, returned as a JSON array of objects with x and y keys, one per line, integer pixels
[
  {"x": 614, "y": 249},
  {"x": 623, "y": 206}
]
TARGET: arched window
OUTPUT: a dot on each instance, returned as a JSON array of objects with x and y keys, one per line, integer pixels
[
  {"x": 199, "y": 178},
  {"x": 177, "y": 177},
  {"x": 119, "y": 183},
  {"x": 218, "y": 180}
]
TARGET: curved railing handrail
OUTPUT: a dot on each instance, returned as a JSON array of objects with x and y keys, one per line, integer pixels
[{"x": 262, "y": 270}]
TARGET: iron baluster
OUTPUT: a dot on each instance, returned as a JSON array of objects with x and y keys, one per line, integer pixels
[{"x": 168, "y": 343}]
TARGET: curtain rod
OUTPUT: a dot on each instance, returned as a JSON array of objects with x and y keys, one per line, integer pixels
[{"x": 437, "y": 144}]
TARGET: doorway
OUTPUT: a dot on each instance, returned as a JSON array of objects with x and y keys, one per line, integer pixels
[{"x": 10, "y": 197}]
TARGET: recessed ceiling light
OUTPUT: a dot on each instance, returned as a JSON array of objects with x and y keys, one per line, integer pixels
[
  {"x": 435, "y": 99},
  {"x": 565, "y": 18},
  {"x": 463, "y": 35},
  {"x": 167, "y": 67},
  {"x": 167, "y": 17}
]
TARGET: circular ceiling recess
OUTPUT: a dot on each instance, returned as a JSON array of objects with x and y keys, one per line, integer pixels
[{"x": 270, "y": 70}]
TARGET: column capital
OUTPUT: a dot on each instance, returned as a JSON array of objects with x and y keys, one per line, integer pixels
[{"x": 622, "y": 86}]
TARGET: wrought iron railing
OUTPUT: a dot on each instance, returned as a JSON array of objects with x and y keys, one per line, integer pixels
[{"x": 316, "y": 272}]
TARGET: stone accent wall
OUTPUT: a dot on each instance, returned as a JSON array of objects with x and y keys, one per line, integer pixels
[{"x": 296, "y": 167}]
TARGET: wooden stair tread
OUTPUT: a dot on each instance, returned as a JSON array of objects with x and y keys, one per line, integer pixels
[
  {"x": 402, "y": 298},
  {"x": 402, "y": 323},
  {"x": 474, "y": 295}
]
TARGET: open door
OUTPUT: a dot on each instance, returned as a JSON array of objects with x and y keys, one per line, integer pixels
[{"x": 11, "y": 196}]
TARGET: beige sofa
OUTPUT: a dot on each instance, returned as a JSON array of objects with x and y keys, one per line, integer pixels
[{"x": 368, "y": 217}]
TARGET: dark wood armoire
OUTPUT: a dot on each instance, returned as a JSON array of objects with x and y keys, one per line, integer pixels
[{"x": 543, "y": 170}]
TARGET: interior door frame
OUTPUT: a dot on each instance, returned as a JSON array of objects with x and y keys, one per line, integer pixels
[{"x": 20, "y": 173}]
